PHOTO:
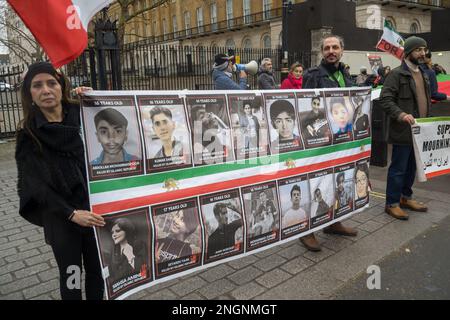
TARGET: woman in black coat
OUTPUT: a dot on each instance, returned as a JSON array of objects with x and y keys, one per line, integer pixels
[{"x": 52, "y": 183}]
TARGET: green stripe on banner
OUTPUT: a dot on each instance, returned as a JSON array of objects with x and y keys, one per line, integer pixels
[
  {"x": 443, "y": 77},
  {"x": 155, "y": 178},
  {"x": 436, "y": 119}
]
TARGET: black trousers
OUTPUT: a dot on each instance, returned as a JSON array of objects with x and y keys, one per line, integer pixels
[{"x": 73, "y": 247}]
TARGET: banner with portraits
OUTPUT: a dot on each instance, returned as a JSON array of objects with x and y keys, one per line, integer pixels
[
  {"x": 431, "y": 140},
  {"x": 190, "y": 179}
]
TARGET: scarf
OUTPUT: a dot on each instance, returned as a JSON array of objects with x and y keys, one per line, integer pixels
[
  {"x": 63, "y": 149},
  {"x": 296, "y": 83}
]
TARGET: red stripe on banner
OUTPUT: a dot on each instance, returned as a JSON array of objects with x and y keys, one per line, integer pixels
[
  {"x": 55, "y": 25},
  {"x": 210, "y": 188},
  {"x": 437, "y": 173}
]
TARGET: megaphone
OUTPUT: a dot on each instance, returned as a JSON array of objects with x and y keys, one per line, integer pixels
[{"x": 251, "y": 67}]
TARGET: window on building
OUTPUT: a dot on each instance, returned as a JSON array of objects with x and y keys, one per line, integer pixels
[
  {"x": 164, "y": 25},
  {"x": 214, "y": 16},
  {"x": 267, "y": 7},
  {"x": 174, "y": 23},
  {"x": 415, "y": 27},
  {"x": 266, "y": 42},
  {"x": 436, "y": 3},
  {"x": 247, "y": 43},
  {"x": 247, "y": 11},
  {"x": 230, "y": 44},
  {"x": 230, "y": 16},
  {"x": 187, "y": 22},
  {"x": 200, "y": 19},
  {"x": 154, "y": 29}
]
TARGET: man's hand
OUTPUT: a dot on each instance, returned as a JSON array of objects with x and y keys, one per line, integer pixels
[
  {"x": 88, "y": 219},
  {"x": 242, "y": 74},
  {"x": 409, "y": 119}
]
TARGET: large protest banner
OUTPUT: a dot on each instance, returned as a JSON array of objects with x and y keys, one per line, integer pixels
[
  {"x": 431, "y": 137},
  {"x": 186, "y": 180}
]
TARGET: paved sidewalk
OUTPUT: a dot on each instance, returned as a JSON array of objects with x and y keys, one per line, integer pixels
[{"x": 28, "y": 269}]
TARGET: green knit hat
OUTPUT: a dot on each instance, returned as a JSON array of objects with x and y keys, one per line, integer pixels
[{"x": 413, "y": 43}]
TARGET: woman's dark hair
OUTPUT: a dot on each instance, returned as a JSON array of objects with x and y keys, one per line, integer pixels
[
  {"x": 126, "y": 225},
  {"x": 362, "y": 167},
  {"x": 190, "y": 221},
  {"x": 29, "y": 110}
]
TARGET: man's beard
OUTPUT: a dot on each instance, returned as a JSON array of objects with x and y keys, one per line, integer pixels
[{"x": 416, "y": 61}]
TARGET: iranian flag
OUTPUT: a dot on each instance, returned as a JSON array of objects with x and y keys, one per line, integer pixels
[
  {"x": 60, "y": 26},
  {"x": 444, "y": 83},
  {"x": 391, "y": 41}
]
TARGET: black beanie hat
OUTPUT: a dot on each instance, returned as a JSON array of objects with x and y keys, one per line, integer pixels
[
  {"x": 42, "y": 67},
  {"x": 413, "y": 43}
]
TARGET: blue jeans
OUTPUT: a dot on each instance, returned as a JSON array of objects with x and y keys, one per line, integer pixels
[{"x": 401, "y": 174}]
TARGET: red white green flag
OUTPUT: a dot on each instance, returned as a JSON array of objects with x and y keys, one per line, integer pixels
[
  {"x": 60, "y": 26},
  {"x": 391, "y": 41}
]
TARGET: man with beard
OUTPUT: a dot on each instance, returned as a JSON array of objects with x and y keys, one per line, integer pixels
[
  {"x": 404, "y": 97},
  {"x": 330, "y": 73}
]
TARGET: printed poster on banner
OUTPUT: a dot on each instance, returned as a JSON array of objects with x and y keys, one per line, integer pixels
[
  {"x": 166, "y": 133},
  {"x": 178, "y": 237},
  {"x": 431, "y": 140},
  {"x": 262, "y": 214},
  {"x": 295, "y": 203},
  {"x": 362, "y": 183},
  {"x": 340, "y": 115},
  {"x": 186, "y": 212},
  {"x": 113, "y": 139},
  {"x": 125, "y": 246},
  {"x": 360, "y": 100},
  {"x": 249, "y": 124},
  {"x": 210, "y": 129},
  {"x": 224, "y": 224},
  {"x": 283, "y": 128},
  {"x": 313, "y": 119}
]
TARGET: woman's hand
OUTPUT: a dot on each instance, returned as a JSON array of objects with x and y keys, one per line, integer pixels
[
  {"x": 88, "y": 219},
  {"x": 81, "y": 90}
]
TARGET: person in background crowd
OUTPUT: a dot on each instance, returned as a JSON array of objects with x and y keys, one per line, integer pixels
[
  {"x": 439, "y": 69},
  {"x": 362, "y": 76},
  {"x": 52, "y": 183},
  {"x": 428, "y": 68},
  {"x": 294, "y": 79},
  {"x": 404, "y": 97},
  {"x": 223, "y": 72},
  {"x": 266, "y": 80},
  {"x": 329, "y": 74}
]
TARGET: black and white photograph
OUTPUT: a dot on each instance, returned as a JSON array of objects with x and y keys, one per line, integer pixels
[
  {"x": 113, "y": 138},
  {"x": 125, "y": 244},
  {"x": 295, "y": 203},
  {"x": 362, "y": 183},
  {"x": 262, "y": 214},
  {"x": 178, "y": 233},
  {"x": 166, "y": 133},
  {"x": 313, "y": 119},
  {"x": 224, "y": 224},
  {"x": 321, "y": 185},
  {"x": 210, "y": 129},
  {"x": 249, "y": 124},
  {"x": 283, "y": 128},
  {"x": 344, "y": 187},
  {"x": 340, "y": 115},
  {"x": 361, "y": 119}
]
